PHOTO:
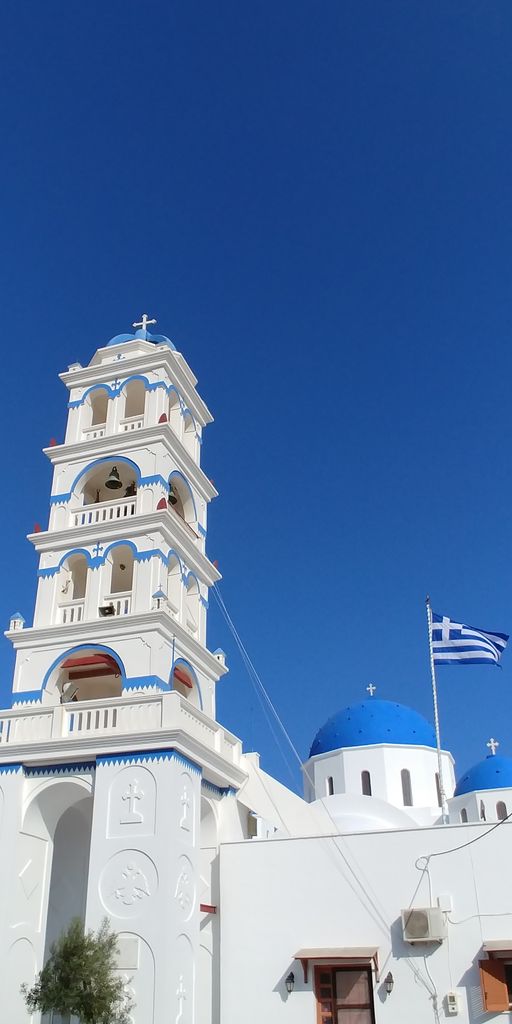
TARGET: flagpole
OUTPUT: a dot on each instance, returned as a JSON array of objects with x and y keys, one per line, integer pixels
[{"x": 444, "y": 805}]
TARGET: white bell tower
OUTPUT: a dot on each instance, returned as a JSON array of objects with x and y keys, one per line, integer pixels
[{"x": 112, "y": 737}]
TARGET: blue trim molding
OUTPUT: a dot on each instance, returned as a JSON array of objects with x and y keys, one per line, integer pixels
[
  {"x": 218, "y": 790},
  {"x": 10, "y": 769},
  {"x": 59, "y": 769},
  {"x": 143, "y": 682},
  {"x": 138, "y": 757}
]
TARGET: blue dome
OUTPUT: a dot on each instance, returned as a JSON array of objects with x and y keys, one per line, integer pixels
[
  {"x": 495, "y": 772},
  {"x": 373, "y": 721},
  {"x": 157, "y": 339}
]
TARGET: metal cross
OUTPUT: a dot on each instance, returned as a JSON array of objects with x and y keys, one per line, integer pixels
[
  {"x": 97, "y": 549},
  {"x": 371, "y": 689},
  {"x": 144, "y": 323},
  {"x": 116, "y": 383},
  {"x": 493, "y": 745}
]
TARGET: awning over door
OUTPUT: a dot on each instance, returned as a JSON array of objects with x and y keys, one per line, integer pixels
[{"x": 345, "y": 956}]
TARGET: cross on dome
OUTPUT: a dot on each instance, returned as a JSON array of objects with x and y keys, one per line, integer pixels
[
  {"x": 144, "y": 323},
  {"x": 493, "y": 745},
  {"x": 371, "y": 689}
]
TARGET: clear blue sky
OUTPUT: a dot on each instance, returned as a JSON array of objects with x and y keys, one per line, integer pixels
[{"x": 315, "y": 201}]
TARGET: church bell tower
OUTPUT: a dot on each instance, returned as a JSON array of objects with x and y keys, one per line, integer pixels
[{"x": 112, "y": 735}]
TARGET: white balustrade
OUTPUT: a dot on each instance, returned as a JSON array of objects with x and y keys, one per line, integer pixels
[
  {"x": 89, "y": 433},
  {"x": 122, "y": 602},
  {"x": 128, "y": 715},
  {"x": 105, "y": 512},
  {"x": 71, "y": 611},
  {"x": 131, "y": 423}
]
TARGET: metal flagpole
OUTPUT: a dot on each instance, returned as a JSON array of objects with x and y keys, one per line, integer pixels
[{"x": 444, "y": 805}]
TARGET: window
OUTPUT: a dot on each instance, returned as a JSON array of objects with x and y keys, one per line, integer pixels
[
  {"x": 501, "y": 811},
  {"x": 482, "y": 811},
  {"x": 463, "y": 815},
  {"x": 496, "y": 982},
  {"x": 438, "y": 790},
  {"x": 330, "y": 785},
  {"x": 406, "y": 787},
  {"x": 366, "y": 784},
  {"x": 344, "y": 995}
]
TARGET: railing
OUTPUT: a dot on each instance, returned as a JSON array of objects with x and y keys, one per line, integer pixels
[
  {"x": 72, "y": 611},
  {"x": 105, "y": 511},
  {"x": 99, "y": 429},
  {"x": 122, "y": 603},
  {"x": 113, "y": 716},
  {"x": 132, "y": 422}
]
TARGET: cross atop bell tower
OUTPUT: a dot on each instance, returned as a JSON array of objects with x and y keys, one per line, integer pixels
[{"x": 144, "y": 323}]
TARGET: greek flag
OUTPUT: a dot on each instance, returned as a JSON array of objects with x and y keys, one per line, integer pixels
[{"x": 452, "y": 642}]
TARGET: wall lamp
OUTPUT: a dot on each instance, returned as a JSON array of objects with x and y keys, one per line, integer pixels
[
  {"x": 290, "y": 981},
  {"x": 389, "y": 981}
]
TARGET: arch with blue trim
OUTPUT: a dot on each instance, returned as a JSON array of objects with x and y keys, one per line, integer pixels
[
  {"x": 187, "y": 667},
  {"x": 101, "y": 461},
  {"x": 83, "y": 647},
  {"x": 178, "y": 475}
]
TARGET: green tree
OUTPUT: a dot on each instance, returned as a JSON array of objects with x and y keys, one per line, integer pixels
[{"x": 80, "y": 979}]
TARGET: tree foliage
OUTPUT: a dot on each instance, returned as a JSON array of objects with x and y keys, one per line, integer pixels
[{"x": 80, "y": 978}]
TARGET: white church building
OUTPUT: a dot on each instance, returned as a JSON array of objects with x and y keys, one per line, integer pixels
[{"x": 122, "y": 795}]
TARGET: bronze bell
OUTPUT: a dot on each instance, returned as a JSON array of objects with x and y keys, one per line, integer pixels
[
  {"x": 172, "y": 499},
  {"x": 113, "y": 481}
]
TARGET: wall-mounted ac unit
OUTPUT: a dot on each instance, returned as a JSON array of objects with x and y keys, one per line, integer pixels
[{"x": 423, "y": 924}]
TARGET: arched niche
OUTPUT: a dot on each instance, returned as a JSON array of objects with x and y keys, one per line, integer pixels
[
  {"x": 119, "y": 581},
  {"x": 192, "y": 604},
  {"x": 134, "y": 393},
  {"x": 85, "y": 673},
  {"x": 174, "y": 585},
  {"x": 92, "y": 487},
  {"x": 189, "y": 433},
  {"x": 182, "y": 501},
  {"x": 184, "y": 680}
]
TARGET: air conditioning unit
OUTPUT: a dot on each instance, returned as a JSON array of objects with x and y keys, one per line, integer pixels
[{"x": 423, "y": 924}]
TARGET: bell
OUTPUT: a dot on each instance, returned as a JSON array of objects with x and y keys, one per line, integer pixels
[
  {"x": 172, "y": 499},
  {"x": 113, "y": 481}
]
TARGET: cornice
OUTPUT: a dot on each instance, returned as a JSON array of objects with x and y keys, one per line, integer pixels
[
  {"x": 119, "y": 627},
  {"x": 216, "y": 768},
  {"x": 128, "y": 441},
  {"x": 161, "y": 357},
  {"x": 174, "y": 533}
]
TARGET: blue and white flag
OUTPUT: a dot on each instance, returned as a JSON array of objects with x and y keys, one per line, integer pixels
[{"x": 452, "y": 642}]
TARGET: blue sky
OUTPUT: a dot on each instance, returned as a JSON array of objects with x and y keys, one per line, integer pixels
[{"x": 315, "y": 202}]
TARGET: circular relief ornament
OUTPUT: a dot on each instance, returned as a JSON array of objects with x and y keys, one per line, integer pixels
[{"x": 128, "y": 883}]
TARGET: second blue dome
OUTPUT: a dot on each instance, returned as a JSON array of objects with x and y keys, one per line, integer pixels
[
  {"x": 373, "y": 721},
  {"x": 494, "y": 772}
]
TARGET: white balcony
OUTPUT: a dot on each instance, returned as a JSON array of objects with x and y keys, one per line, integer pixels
[
  {"x": 89, "y": 433},
  {"x": 105, "y": 512},
  {"x": 131, "y": 423},
  {"x": 121, "y": 603},
  {"x": 71, "y": 611},
  {"x": 37, "y": 732}
]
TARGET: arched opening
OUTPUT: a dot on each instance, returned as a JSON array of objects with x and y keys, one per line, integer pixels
[
  {"x": 185, "y": 682},
  {"x": 192, "y": 604},
  {"x": 95, "y": 413},
  {"x": 463, "y": 815},
  {"x": 180, "y": 498},
  {"x": 110, "y": 488},
  {"x": 99, "y": 406},
  {"x": 482, "y": 811},
  {"x": 329, "y": 785},
  {"x": 366, "y": 784},
  {"x": 175, "y": 411},
  {"x": 134, "y": 405},
  {"x": 174, "y": 585},
  {"x": 72, "y": 585},
  {"x": 118, "y": 600},
  {"x": 70, "y": 867},
  {"x": 90, "y": 673},
  {"x": 208, "y": 959},
  {"x": 405, "y": 776},
  {"x": 501, "y": 810},
  {"x": 189, "y": 433}
]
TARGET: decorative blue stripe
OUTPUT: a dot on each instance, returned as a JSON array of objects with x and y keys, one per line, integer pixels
[
  {"x": 27, "y": 697},
  {"x": 137, "y": 682},
  {"x": 148, "y": 755},
  {"x": 59, "y": 769},
  {"x": 201, "y": 530},
  {"x": 144, "y": 556},
  {"x": 218, "y": 790},
  {"x": 114, "y": 391},
  {"x": 156, "y": 479},
  {"x": 10, "y": 769},
  {"x": 203, "y": 601}
]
